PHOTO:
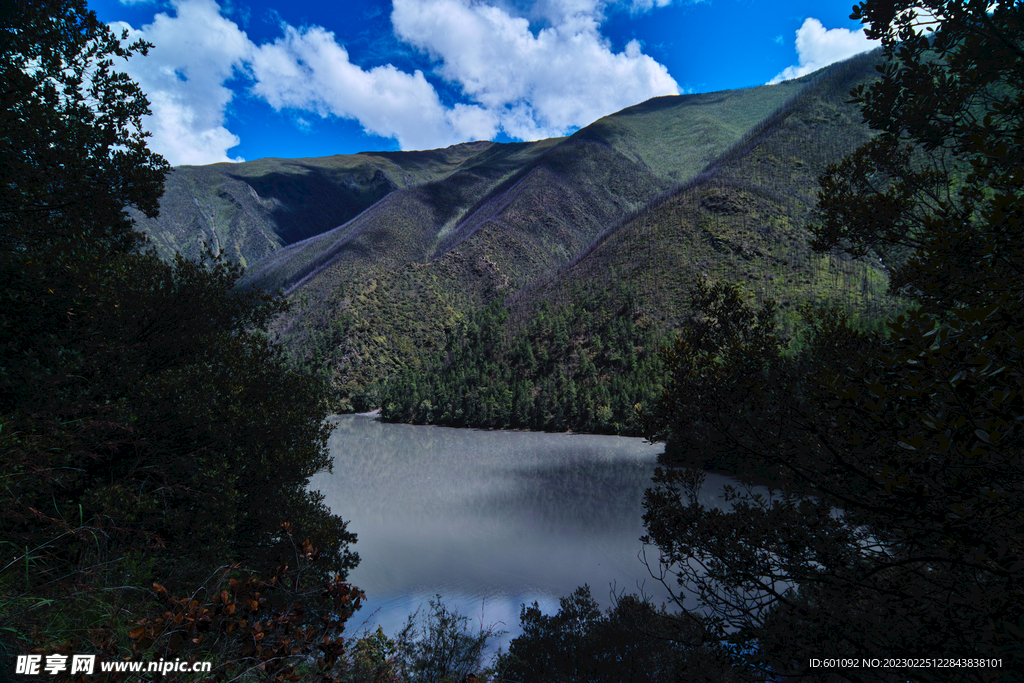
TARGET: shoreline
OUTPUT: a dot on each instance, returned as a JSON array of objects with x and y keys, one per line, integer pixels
[{"x": 375, "y": 414}]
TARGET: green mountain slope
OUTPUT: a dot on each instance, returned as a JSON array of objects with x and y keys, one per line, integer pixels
[
  {"x": 385, "y": 290},
  {"x": 677, "y": 136},
  {"x": 252, "y": 209},
  {"x": 578, "y": 349},
  {"x": 389, "y": 258},
  {"x": 743, "y": 218}
]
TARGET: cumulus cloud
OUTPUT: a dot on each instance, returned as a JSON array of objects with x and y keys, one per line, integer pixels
[
  {"x": 536, "y": 85},
  {"x": 526, "y": 84},
  {"x": 195, "y": 53},
  {"x": 818, "y": 47},
  {"x": 307, "y": 69}
]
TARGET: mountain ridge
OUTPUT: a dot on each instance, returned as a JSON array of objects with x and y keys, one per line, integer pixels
[{"x": 425, "y": 240}]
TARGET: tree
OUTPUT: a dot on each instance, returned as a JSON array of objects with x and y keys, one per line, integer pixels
[
  {"x": 942, "y": 178},
  {"x": 440, "y": 647},
  {"x": 899, "y": 527},
  {"x": 73, "y": 156},
  {"x": 148, "y": 429},
  {"x": 631, "y": 642},
  {"x": 73, "y": 147}
]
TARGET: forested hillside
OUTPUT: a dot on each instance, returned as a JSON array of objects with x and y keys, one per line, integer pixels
[
  {"x": 579, "y": 349},
  {"x": 392, "y": 283},
  {"x": 532, "y": 284}
]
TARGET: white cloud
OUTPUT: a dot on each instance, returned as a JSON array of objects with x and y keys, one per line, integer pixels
[
  {"x": 529, "y": 85},
  {"x": 817, "y": 47},
  {"x": 537, "y": 85},
  {"x": 647, "y": 5},
  {"x": 307, "y": 69},
  {"x": 195, "y": 53}
]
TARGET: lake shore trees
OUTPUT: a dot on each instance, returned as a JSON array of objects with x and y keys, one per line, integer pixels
[
  {"x": 155, "y": 447},
  {"x": 899, "y": 531}
]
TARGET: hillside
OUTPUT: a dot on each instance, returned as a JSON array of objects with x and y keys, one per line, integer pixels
[
  {"x": 252, "y": 209},
  {"x": 390, "y": 288},
  {"x": 743, "y": 218},
  {"x": 388, "y": 258},
  {"x": 578, "y": 349}
]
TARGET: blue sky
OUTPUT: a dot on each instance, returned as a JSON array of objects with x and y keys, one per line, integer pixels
[{"x": 233, "y": 80}]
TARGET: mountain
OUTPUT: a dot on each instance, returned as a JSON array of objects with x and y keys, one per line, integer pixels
[
  {"x": 396, "y": 262},
  {"x": 250, "y": 210},
  {"x": 579, "y": 348}
]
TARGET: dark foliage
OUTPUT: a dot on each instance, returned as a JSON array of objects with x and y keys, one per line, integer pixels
[
  {"x": 439, "y": 647},
  {"x": 148, "y": 431},
  {"x": 564, "y": 370},
  {"x": 897, "y": 532},
  {"x": 632, "y": 642},
  {"x": 73, "y": 149}
]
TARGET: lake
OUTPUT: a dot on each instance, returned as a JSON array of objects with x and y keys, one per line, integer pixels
[{"x": 489, "y": 519}]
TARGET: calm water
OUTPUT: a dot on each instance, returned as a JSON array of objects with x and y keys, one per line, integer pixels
[{"x": 488, "y": 519}]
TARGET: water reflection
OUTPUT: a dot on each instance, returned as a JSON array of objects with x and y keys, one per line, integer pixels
[{"x": 489, "y": 519}]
